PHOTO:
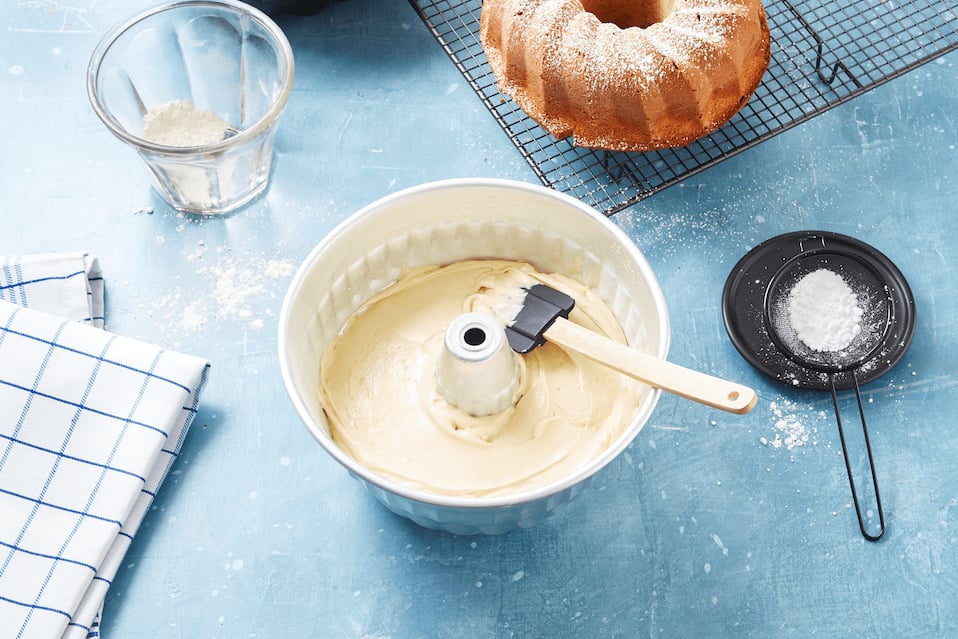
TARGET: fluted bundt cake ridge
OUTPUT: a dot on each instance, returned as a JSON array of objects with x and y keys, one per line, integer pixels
[{"x": 627, "y": 76}]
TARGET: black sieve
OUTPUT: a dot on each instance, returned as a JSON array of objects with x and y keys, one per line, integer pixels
[{"x": 755, "y": 309}]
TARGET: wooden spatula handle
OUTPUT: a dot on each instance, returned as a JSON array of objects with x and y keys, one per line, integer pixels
[{"x": 687, "y": 383}]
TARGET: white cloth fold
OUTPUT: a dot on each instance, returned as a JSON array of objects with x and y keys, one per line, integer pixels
[
  {"x": 90, "y": 423},
  {"x": 69, "y": 285}
]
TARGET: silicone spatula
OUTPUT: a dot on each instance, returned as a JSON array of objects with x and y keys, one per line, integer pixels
[{"x": 543, "y": 317}]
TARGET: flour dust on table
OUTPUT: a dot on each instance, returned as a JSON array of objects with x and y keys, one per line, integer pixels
[
  {"x": 791, "y": 427},
  {"x": 224, "y": 287}
]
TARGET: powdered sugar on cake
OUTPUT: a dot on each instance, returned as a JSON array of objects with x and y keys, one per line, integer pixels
[{"x": 672, "y": 79}]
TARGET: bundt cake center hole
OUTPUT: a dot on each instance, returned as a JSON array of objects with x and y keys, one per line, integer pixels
[{"x": 625, "y": 14}]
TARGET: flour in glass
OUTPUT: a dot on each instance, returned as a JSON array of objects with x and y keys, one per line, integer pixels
[
  {"x": 824, "y": 312},
  {"x": 178, "y": 123}
]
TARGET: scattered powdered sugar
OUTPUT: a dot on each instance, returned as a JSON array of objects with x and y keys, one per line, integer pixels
[
  {"x": 824, "y": 311},
  {"x": 790, "y": 428},
  {"x": 279, "y": 268},
  {"x": 225, "y": 287}
]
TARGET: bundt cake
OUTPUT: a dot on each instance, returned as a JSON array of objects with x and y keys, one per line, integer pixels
[{"x": 627, "y": 75}]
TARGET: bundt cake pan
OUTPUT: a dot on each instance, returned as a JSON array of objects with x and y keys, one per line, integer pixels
[{"x": 444, "y": 222}]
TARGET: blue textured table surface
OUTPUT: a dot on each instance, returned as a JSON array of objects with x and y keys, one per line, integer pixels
[{"x": 709, "y": 525}]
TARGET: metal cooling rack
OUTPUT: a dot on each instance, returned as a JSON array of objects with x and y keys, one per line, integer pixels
[{"x": 823, "y": 54}]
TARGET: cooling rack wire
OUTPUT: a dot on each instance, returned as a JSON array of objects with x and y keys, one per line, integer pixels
[{"x": 823, "y": 54}]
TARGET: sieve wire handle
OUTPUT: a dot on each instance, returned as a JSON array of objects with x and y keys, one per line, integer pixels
[{"x": 848, "y": 466}]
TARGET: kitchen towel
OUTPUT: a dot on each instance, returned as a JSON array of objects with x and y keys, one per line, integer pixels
[
  {"x": 66, "y": 284},
  {"x": 90, "y": 423}
]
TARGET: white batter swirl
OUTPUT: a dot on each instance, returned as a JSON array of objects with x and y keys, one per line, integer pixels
[{"x": 378, "y": 388}]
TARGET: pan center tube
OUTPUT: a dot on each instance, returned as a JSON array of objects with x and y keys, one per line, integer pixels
[{"x": 476, "y": 370}]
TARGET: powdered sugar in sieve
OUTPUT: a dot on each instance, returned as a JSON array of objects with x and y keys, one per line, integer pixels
[{"x": 830, "y": 319}]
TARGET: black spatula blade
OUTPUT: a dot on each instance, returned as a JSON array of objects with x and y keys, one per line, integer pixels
[{"x": 542, "y": 305}]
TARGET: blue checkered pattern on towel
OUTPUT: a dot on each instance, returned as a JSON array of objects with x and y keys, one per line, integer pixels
[
  {"x": 90, "y": 423},
  {"x": 69, "y": 285}
]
